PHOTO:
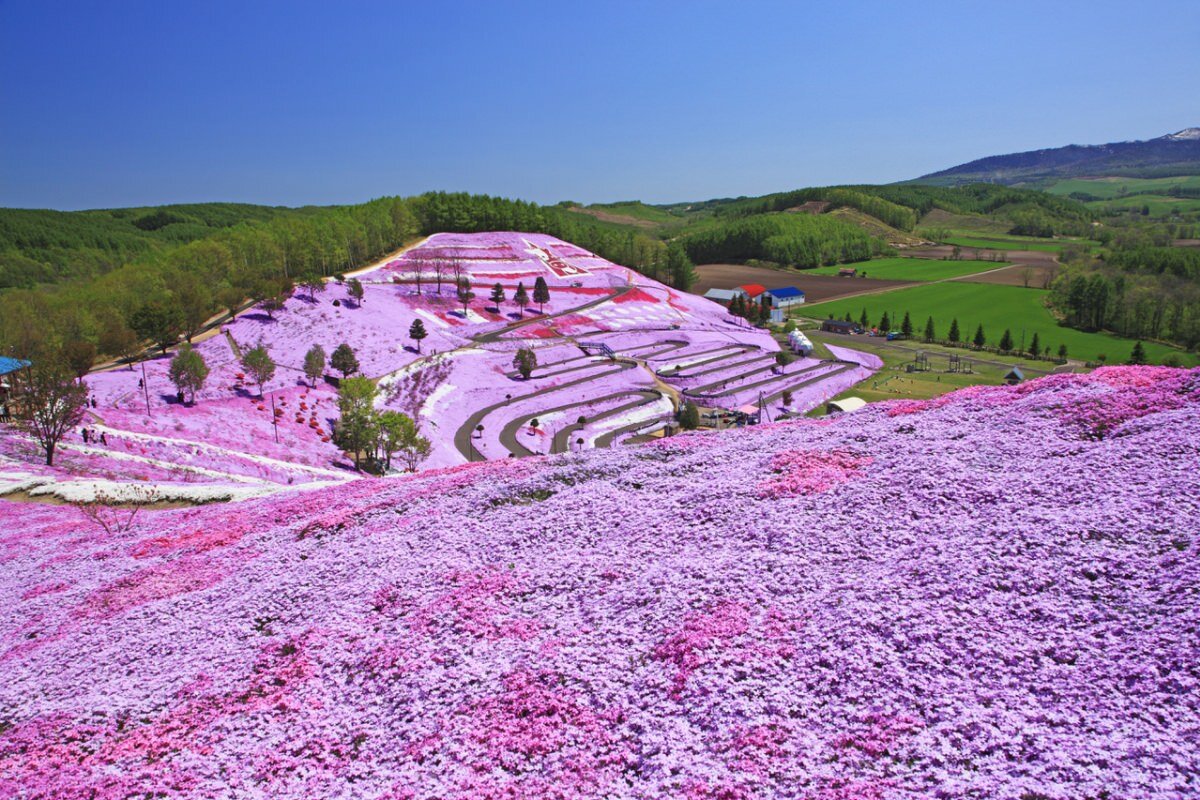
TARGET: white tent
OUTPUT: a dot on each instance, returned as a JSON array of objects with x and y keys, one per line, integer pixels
[{"x": 846, "y": 405}]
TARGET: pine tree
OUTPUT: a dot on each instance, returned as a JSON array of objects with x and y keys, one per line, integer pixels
[
  {"x": 497, "y": 296},
  {"x": 980, "y": 340},
  {"x": 930, "y": 333},
  {"x": 864, "y": 321},
  {"x": 541, "y": 294},
  {"x": 1006, "y": 341},
  {"x": 521, "y": 297},
  {"x": 1062, "y": 352},
  {"x": 955, "y": 335},
  {"x": 465, "y": 295},
  {"x": 417, "y": 332},
  {"x": 1138, "y": 356},
  {"x": 906, "y": 326},
  {"x": 1035, "y": 346},
  {"x": 885, "y": 323}
]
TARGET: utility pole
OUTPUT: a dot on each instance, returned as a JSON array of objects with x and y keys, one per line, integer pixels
[{"x": 146, "y": 389}]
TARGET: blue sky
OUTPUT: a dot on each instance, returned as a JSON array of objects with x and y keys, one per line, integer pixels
[{"x": 108, "y": 104}]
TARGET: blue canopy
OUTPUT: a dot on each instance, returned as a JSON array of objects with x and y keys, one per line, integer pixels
[{"x": 8, "y": 365}]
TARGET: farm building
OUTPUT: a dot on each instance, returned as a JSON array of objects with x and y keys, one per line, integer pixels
[
  {"x": 785, "y": 296},
  {"x": 838, "y": 326},
  {"x": 723, "y": 296},
  {"x": 847, "y": 272},
  {"x": 1014, "y": 376},
  {"x": 752, "y": 290},
  {"x": 846, "y": 405}
]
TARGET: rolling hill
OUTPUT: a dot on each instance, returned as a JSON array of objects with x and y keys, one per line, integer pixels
[{"x": 1173, "y": 154}]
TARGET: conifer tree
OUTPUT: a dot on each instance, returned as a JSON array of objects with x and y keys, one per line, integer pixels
[
  {"x": 541, "y": 294},
  {"x": 954, "y": 335},
  {"x": 1138, "y": 356},
  {"x": 906, "y": 326},
  {"x": 497, "y": 296},
  {"x": 980, "y": 340},
  {"x": 1006, "y": 341},
  {"x": 417, "y": 332},
  {"x": 521, "y": 297},
  {"x": 930, "y": 333}
]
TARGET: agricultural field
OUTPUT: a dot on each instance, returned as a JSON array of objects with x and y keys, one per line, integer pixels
[
  {"x": 880, "y": 605},
  {"x": 1111, "y": 188},
  {"x": 996, "y": 307},
  {"x": 817, "y": 287},
  {"x": 616, "y": 353},
  {"x": 912, "y": 269},
  {"x": 998, "y": 242}
]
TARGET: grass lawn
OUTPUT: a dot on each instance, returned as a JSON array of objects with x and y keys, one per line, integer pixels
[
  {"x": 994, "y": 306},
  {"x": 894, "y": 382},
  {"x": 1017, "y": 243},
  {"x": 913, "y": 269}
]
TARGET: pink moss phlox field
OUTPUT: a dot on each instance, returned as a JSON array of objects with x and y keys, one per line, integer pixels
[
  {"x": 806, "y": 471},
  {"x": 993, "y": 596}
]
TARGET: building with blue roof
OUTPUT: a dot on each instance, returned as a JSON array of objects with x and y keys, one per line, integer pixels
[{"x": 785, "y": 296}]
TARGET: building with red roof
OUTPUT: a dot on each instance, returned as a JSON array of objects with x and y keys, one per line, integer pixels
[{"x": 752, "y": 290}]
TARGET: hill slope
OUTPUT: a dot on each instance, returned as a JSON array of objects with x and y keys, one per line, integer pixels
[
  {"x": 1173, "y": 154},
  {"x": 986, "y": 595}
]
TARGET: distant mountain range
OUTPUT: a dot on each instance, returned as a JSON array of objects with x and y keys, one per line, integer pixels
[{"x": 1166, "y": 156}]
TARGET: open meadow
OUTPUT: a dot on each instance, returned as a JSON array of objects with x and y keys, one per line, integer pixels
[{"x": 995, "y": 307}]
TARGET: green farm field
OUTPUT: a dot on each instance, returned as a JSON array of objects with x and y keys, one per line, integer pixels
[
  {"x": 1110, "y": 188},
  {"x": 1017, "y": 243},
  {"x": 1159, "y": 205},
  {"x": 994, "y": 306},
  {"x": 913, "y": 269}
]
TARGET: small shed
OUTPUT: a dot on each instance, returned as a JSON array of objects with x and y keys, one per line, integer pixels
[
  {"x": 785, "y": 296},
  {"x": 847, "y": 272},
  {"x": 722, "y": 296},
  {"x": 1014, "y": 376},
  {"x": 752, "y": 290},
  {"x": 847, "y": 405},
  {"x": 838, "y": 326}
]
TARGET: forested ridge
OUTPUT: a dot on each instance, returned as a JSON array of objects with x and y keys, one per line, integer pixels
[{"x": 117, "y": 280}]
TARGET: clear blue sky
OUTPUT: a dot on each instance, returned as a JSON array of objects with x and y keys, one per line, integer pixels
[{"x": 135, "y": 103}]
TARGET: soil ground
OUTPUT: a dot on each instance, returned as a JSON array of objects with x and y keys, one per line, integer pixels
[
  {"x": 817, "y": 288},
  {"x": 608, "y": 216}
]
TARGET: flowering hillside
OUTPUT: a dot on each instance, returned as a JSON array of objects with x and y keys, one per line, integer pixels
[
  {"x": 616, "y": 352},
  {"x": 992, "y": 594}
]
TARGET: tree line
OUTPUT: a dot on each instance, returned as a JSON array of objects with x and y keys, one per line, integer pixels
[
  {"x": 160, "y": 293},
  {"x": 794, "y": 240}
]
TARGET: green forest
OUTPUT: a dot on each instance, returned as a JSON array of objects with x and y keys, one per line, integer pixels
[{"x": 116, "y": 280}]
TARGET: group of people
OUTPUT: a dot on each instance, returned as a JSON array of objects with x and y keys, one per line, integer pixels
[{"x": 89, "y": 436}]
